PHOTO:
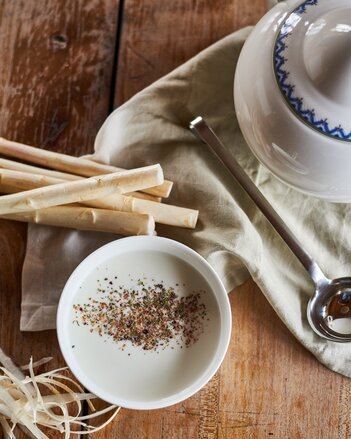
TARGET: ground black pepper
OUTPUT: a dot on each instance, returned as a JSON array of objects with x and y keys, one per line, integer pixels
[{"x": 150, "y": 316}]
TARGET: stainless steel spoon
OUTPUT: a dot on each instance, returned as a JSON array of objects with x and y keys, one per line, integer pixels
[{"x": 331, "y": 301}]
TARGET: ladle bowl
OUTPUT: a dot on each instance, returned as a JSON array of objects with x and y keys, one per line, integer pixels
[{"x": 330, "y": 309}]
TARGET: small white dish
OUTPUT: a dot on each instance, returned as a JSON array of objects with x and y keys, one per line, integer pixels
[
  {"x": 130, "y": 376},
  {"x": 292, "y": 90}
]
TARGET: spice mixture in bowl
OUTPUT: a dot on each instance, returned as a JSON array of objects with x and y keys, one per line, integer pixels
[{"x": 144, "y": 322}]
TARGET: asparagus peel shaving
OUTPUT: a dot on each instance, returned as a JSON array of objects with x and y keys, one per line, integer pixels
[{"x": 23, "y": 405}]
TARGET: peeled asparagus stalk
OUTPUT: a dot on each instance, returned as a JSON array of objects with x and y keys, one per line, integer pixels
[
  {"x": 17, "y": 166},
  {"x": 163, "y": 213},
  {"x": 86, "y": 218},
  {"x": 21, "y": 167},
  {"x": 67, "y": 163},
  {"x": 81, "y": 190},
  {"x": 22, "y": 181}
]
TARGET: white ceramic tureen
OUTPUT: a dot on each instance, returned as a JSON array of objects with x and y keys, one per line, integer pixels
[{"x": 293, "y": 95}]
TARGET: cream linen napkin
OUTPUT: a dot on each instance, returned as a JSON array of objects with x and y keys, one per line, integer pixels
[{"x": 232, "y": 234}]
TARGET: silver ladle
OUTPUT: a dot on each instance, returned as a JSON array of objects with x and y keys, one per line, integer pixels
[{"x": 331, "y": 302}]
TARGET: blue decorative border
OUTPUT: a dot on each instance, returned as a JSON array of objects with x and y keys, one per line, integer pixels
[{"x": 296, "y": 102}]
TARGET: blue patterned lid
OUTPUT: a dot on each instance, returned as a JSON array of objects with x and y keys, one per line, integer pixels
[{"x": 312, "y": 65}]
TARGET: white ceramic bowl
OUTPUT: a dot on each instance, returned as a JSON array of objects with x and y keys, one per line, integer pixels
[
  {"x": 135, "y": 378},
  {"x": 292, "y": 94}
]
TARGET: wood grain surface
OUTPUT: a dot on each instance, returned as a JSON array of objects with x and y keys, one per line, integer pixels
[
  {"x": 158, "y": 35},
  {"x": 66, "y": 63}
]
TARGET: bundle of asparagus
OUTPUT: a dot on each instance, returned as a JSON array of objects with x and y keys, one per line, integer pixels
[{"x": 110, "y": 199}]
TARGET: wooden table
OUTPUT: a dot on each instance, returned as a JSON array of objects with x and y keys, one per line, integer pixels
[{"x": 65, "y": 65}]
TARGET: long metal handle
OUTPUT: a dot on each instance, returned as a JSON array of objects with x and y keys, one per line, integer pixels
[{"x": 199, "y": 127}]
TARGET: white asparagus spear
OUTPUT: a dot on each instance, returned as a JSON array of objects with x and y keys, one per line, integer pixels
[
  {"x": 81, "y": 190},
  {"x": 163, "y": 213},
  {"x": 21, "y": 167},
  {"x": 87, "y": 218},
  {"x": 16, "y": 166},
  {"x": 23, "y": 181},
  {"x": 67, "y": 163},
  {"x": 144, "y": 196}
]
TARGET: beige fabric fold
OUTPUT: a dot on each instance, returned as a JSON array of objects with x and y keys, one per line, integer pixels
[{"x": 232, "y": 234}]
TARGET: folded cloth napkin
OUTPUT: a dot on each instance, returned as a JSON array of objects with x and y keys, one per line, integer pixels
[{"x": 232, "y": 234}]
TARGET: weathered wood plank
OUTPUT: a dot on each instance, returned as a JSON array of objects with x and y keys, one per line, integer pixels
[
  {"x": 55, "y": 83},
  {"x": 55, "y": 79},
  {"x": 158, "y": 35},
  {"x": 271, "y": 386}
]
